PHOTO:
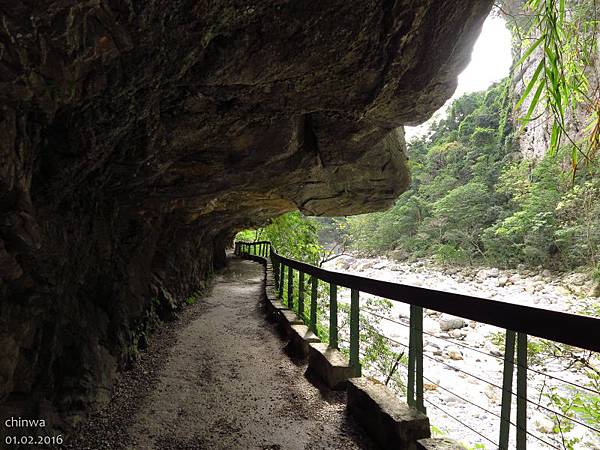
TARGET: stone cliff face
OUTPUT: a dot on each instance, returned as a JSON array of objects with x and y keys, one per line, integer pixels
[
  {"x": 534, "y": 141},
  {"x": 136, "y": 138}
]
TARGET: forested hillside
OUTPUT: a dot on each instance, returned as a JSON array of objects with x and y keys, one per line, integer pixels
[
  {"x": 473, "y": 198},
  {"x": 510, "y": 175}
]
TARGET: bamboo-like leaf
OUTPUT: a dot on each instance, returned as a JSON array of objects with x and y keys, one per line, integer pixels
[
  {"x": 566, "y": 53},
  {"x": 553, "y": 148},
  {"x": 530, "y": 85},
  {"x": 550, "y": 56},
  {"x": 534, "y": 102},
  {"x": 574, "y": 164},
  {"x": 530, "y": 50}
]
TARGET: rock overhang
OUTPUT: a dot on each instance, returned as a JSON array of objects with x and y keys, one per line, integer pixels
[
  {"x": 183, "y": 99},
  {"x": 136, "y": 137}
]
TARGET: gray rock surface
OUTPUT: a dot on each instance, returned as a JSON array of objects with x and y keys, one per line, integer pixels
[
  {"x": 448, "y": 322},
  {"x": 136, "y": 138}
]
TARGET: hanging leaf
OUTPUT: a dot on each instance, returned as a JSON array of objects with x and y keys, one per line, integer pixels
[
  {"x": 530, "y": 50},
  {"x": 554, "y": 140},
  {"x": 530, "y": 85},
  {"x": 534, "y": 103}
]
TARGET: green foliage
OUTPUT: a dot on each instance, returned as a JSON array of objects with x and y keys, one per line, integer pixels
[
  {"x": 537, "y": 349},
  {"x": 562, "y": 39},
  {"x": 247, "y": 236},
  {"x": 452, "y": 198},
  {"x": 292, "y": 234},
  {"x": 580, "y": 404},
  {"x": 473, "y": 199},
  {"x": 193, "y": 298},
  {"x": 553, "y": 223}
]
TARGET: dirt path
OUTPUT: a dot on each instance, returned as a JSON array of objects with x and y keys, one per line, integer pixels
[{"x": 226, "y": 383}]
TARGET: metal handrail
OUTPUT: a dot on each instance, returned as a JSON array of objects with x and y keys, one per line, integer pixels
[
  {"x": 565, "y": 328},
  {"x": 519, "y": 321}
]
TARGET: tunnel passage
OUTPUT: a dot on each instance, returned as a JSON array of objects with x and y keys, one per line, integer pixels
[{"x": 137, "y": 138}]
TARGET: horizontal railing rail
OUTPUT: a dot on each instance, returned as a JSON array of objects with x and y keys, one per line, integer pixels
[
  {"x": 571, "y": 329},
  {"x": 519, "y": 321}
]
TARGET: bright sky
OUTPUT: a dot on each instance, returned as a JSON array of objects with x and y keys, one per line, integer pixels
[{"x": 490, "y": 62}]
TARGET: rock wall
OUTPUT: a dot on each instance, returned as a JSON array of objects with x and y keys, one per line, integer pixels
[
  {"x": 137, "y": 137},
  {"x": 534, "y": 140}
]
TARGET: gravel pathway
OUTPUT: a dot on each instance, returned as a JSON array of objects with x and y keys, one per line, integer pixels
[{"x": 220, "y": 379}]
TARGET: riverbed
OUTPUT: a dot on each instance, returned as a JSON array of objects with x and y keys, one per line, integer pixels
[{"x": 463, "y": 367}]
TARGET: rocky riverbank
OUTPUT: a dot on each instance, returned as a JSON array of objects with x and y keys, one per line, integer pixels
[
  {"x": 570, "y": 292},
  {"x": 463, "y": 361}
]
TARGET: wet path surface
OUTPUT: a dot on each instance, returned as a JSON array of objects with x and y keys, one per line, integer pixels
[{"x": 224, "y": 382}]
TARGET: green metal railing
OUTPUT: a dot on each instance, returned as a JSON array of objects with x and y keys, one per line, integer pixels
[{"x": 519, "y": 322}]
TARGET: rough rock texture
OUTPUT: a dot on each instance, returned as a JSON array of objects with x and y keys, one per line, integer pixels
[
  {"x": 136, "y": 137},
  {"x": 535, "y": 139}
]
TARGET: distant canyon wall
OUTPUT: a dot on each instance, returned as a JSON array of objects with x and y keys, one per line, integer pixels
[{"x": 534, "y": 141}]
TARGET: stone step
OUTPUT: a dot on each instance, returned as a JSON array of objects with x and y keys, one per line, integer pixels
[
  {"x": 300, "y": 338},
  {"x": 278, "y": 304},
  {"x": 273, "y": 305},
  {"x": 330, "y": 365},
  {"x": 290, "y": 317},
  {"x": 388, "y": 420},
  {"x": 271, "y": 294},
  {"x": 439, "y": 444}
]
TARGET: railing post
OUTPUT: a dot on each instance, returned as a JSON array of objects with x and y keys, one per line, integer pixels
[
  {"x": 333, "y": 310},
  {"x": 354, "y": 333},
  {"x": 281, "y": 280},
  {"x": 313, "y": 303},
  {"x": 415, "y": 359},
  {"x": 275, "y": 266},
  {"x": 301, "y": 294},
  {"x": 410, "y": 388},
  {"x": 507, "y": 380},
  {"x": 419, "y": 349},
  {"x": 290, "y": 288},
  {"x": 521, "y": 391}
]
